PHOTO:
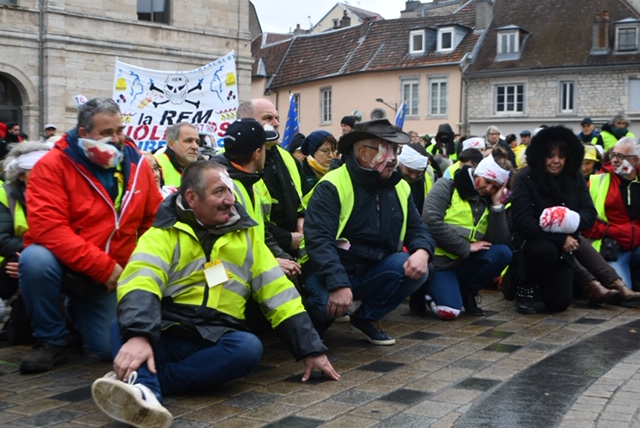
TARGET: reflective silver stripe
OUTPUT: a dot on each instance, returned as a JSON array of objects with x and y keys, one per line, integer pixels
[
  {"x": 176, "y": 289},
  {"x": 196, "y": 265},
  {"x": 238, "y": 288},
  {"x": 280, "y": 299},
  {"x": 267, "y": 277},
  {"x": 249, "y": 261},
  {"x": 145, "y": 271},
  {"x": 150, "y": 259},
  {"x": 239, "y": 195},
  {"x": 239, "y": 271}
]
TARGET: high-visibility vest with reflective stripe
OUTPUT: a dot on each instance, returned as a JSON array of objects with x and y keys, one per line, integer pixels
[
  {"x": 609, "y": 140},
  {"x": 170, "y": 174},
  {"x": 20, "y": 226},
  {"x": 598, "y": 189},
  {"x": 341, "y": 180},
  {"x": 170, "y": 263},
  {"x": 460, "y": 217},
  {"x": 260, "y": 207},
  {"x": 428, "y": 183},
  {"x": 290, "y": 163}
]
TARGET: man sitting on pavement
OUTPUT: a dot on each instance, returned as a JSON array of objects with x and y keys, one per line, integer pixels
[
  {"x": 89, "y": 200},
  {"x": 183, "y": 148},
  {"x": 358, "y": 219},
  {"x": 182, "y": 301}
]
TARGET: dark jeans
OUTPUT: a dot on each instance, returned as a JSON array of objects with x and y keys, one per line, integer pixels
[
  {"x": 544, "y": 268},
  {"x": 187, "y": 366},
  {"x": 381, "y": 289}
]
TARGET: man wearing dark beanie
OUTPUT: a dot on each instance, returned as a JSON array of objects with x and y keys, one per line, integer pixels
[{"x": 347, "y": 123}]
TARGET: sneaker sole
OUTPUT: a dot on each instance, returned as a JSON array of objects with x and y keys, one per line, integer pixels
[
  {"x": 39, "y": 367},
  {"x": 387, "y": 342},
  {"x": 115, "y": 399}
]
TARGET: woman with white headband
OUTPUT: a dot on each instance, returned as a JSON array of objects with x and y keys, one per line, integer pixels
[
  {"x": 466, "y": 217},
  {"x": 13, "y": 224},
  {"x": 550, "y": 206}
]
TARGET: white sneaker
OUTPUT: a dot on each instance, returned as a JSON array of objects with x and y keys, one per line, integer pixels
[{"x": 130, "y": 402}]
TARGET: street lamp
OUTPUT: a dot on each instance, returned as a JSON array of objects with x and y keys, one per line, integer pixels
[{"x": 394, "y": 106}]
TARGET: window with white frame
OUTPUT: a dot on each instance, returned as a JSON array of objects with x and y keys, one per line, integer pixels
[
  {"x": 416, "y": 42},
  {"x": 445, "y": 39},
  {"x": 296, "y": 99},
  {"x": 508, "y": 42},
  {"x": 410, "y": 95},
  {"x": 154, "y": 10},
  {"x": 509, "y": 98},
  {"x": 438, "y": 96},
  {"x": 627, "y": 39},
  {"x": 567, "y": 97},
  {"x": 634, "y": 94},
  {"x": 325, "y": 105}
]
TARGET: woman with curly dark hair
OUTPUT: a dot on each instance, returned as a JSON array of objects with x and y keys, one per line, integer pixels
[{"x": 550, "y": 206}]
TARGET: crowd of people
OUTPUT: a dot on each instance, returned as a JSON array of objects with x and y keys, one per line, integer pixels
[{"x": 166, "y": 262}]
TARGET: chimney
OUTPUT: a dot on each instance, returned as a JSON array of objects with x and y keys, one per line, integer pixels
[
  {"x": 411, "y": 5},
  {"x": 298, "y": 31},
  {"x": 345, "y": 21},
  {"x": 484, "y": 14},
  {"x": 600, "y": 44}
]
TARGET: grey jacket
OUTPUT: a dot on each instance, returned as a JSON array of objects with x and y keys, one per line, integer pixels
[{"x": 435, "y": 209}]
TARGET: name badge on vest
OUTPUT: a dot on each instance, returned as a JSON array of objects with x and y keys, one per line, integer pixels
[{"x": 214, "y": 273}]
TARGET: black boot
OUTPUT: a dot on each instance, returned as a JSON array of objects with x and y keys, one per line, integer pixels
[
  {"x": 471, "y": 304},
  {"x": 417, "y": 304},
  {"x": 524, "y": 300}
]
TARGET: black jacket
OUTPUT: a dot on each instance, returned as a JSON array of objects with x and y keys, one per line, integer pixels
[
  {"x": 373, "y": 229},
  {"x": 285, "y": 199},
  {"x": 535, "y": 189}
]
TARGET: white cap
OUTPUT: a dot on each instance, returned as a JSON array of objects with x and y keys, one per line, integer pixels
[{"x": 50, "y": 125}]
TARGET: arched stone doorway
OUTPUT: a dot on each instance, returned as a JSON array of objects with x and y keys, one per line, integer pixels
[{"x": 10, "y": 101}]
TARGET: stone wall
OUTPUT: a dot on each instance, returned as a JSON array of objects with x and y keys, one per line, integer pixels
[{"x": 82, "y": 40}]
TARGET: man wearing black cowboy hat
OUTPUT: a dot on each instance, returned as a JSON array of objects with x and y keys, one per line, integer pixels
[{"x": 359, "y": 218}]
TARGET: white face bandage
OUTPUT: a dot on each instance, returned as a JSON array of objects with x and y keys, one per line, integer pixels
[
  {"x": 624, "y": 168},
  {"x": 474, "y": 143},
  {"x": 101, "y": 152},
  {"x": 412, "y": 159},
  {"x": 226, "y": 179},
  {"x": 384, "y": 157},
  {"x": 489, "y": 169}
]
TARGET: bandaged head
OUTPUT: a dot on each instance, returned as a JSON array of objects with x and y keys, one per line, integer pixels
[
  {"x": 490, "y": 170},
  {"x": 412, "y": 159}
]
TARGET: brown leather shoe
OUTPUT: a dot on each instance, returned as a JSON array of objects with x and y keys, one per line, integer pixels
[
  {"x": 625, "y": 293},
  {"x": 596, "y": 293}
]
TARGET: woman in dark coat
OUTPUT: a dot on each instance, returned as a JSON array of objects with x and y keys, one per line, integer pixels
[{"x": 550, "y": 206}]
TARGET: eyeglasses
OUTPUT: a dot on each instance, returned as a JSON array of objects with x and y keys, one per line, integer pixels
[
  {"x": 620, "y": 156},
  {"x": 394, "y": 148},
  {"x": 156, "y": 168},
  {"x": 493, "y": 133},
  {"x": 328, "y": 152}
]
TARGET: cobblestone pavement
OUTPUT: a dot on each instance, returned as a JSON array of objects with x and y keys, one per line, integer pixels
[{"x": 579, "y": 368}]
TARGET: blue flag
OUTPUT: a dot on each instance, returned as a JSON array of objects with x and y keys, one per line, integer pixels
[
  {"x": 292, "y": 127},
  {"x": 402, "y": 112}
]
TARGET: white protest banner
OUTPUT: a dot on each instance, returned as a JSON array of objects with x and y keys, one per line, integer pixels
[{"x": 152, "y": 100}]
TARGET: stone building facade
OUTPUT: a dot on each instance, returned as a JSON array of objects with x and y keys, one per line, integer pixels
[
  {"x": 598, "y": 94},
  {"x": 55, "y": 49}
]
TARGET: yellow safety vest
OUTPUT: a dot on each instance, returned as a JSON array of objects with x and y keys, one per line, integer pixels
[
  {"x": 258, "y": 209},
  {"x": 170, "y": 174},
  {"x": 20, "y": 226},
  {"x": 341, "y": 180},
  {"x": 609, "y": 140},
  {"x": 460, "y": 217},
  {"x": 290, "y": 163},
  {"x": 170, "y": 263},
  {"x": 598, "y": 189}
]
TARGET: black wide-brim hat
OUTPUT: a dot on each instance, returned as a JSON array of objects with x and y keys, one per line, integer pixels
[{"x": 373, "y": 129}]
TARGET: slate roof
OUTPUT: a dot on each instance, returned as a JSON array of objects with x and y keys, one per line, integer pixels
[
  {"x": 561, "y": 34},
  {"x": 375, "y": 46}
]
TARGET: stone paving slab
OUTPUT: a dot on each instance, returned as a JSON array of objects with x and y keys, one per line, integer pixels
[{"x": 461, "y": 373}]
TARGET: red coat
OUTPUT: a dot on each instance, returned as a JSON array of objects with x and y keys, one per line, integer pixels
[
  {"x": 621, "y": 228},
  {"x": 71, "y": 214}
]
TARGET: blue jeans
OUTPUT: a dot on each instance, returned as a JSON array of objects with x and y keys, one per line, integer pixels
[
  {"x": 622, "y": 266},
  {"x": 473, "y": 273},
  {"x": 186, "y": 366},
  {"x": 40, "y": 278},
  {"x": 381, "y": 289}
]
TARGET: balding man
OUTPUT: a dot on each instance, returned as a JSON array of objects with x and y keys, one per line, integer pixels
[
  {"x": 183, "y": 148},
  {"x": 283, "y": 177}
]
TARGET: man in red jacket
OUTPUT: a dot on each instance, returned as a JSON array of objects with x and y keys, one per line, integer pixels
[{"x": 88, "y": 201}]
